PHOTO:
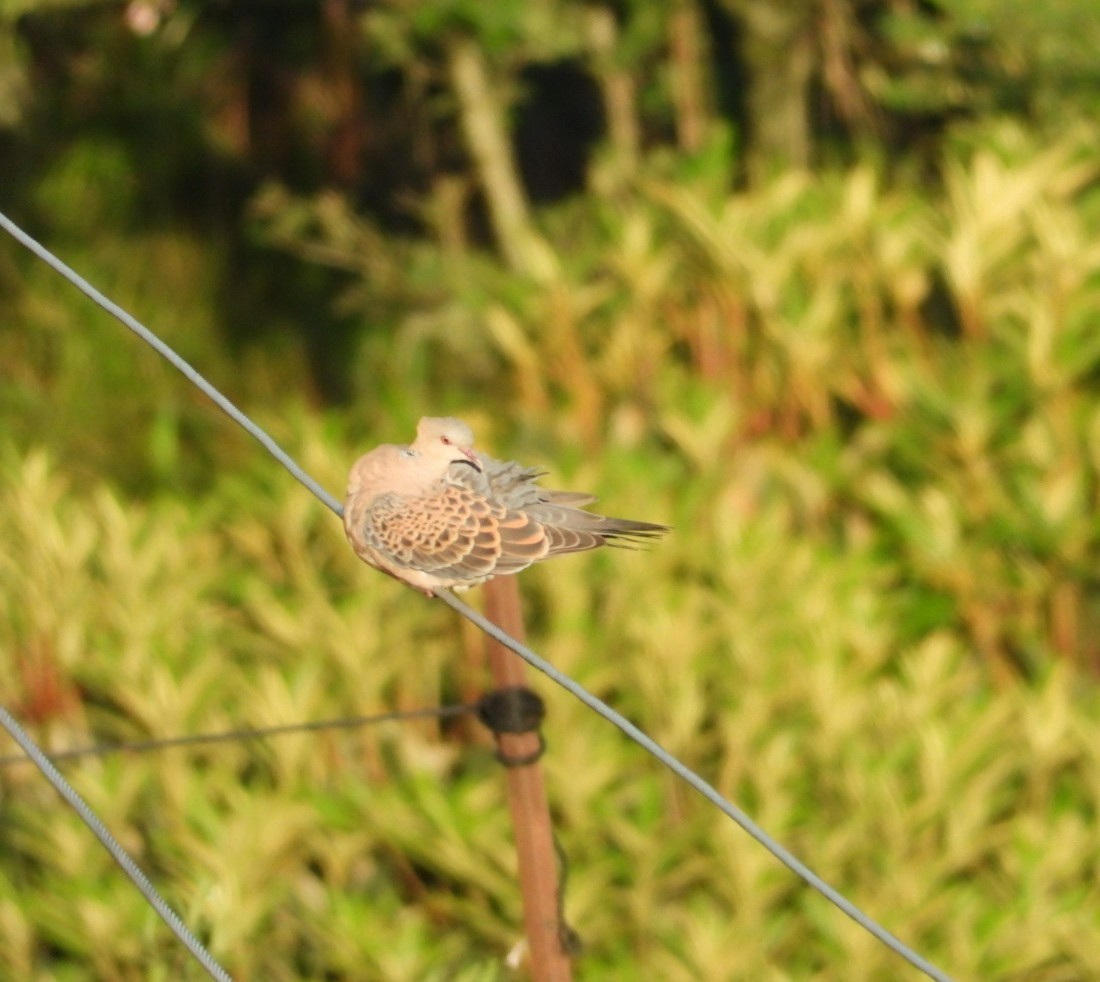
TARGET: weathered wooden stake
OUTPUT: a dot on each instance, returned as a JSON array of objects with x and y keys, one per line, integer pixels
[{"x": 538, "y": 868}]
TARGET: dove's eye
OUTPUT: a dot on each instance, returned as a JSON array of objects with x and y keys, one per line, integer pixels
[{"x": 446, "y": 440}]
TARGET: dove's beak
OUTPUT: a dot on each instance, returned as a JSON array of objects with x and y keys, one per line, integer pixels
[{"x": 468, "y": 457}]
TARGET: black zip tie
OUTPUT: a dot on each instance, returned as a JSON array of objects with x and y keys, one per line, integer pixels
[
  {"x": 514, "y": 709},
  {"x": 572, "y": 944}
]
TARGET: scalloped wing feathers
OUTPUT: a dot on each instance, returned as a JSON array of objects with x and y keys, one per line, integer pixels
[{"x": 437, "y": 522}]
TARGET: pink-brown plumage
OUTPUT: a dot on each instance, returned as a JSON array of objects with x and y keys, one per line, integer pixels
[{"x": 437, "y": 514}]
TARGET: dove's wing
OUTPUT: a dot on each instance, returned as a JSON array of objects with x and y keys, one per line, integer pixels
[
  {"x": 565, "y": 524},
  {"x": 454, "y": 534}
]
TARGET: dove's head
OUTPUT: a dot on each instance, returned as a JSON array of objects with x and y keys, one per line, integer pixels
[
  {"x": 445, "y": 439},
  {"x": 391, "y": 469}
]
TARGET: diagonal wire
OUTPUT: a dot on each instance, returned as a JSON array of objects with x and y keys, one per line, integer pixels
[
  {"x": 261, "y": 733},
  {"x": 170, "y": 355},
  {"x": 111, "y": 844},
  {"x": 574, "y": 688},
  {"x": 681, "y": 770}
]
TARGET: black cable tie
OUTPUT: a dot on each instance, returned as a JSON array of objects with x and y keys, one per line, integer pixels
[
  {"x": 522, "y": 760},
  {"x": 572, "y": 945},
  {"x": 515, "y": 709}
]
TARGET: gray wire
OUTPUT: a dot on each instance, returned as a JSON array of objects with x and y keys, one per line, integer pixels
[
  {"x": 111, "y": 844},
  {"x": 168, "y": 353},
  {"x": 645, "y": 742},
  {"x": 262, "y": 733}
]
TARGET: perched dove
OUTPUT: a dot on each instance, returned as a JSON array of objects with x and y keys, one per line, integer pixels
[{"x": 439, "y": 514}]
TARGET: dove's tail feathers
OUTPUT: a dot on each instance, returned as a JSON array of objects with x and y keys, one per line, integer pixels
[
  {"x": 625, "y": 533},
  {"x": 570, "y": 529},
  {"x": 562, "y": 540}
]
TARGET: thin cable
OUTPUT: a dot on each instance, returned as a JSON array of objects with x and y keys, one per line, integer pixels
[
  {"x": 574, "y": 688},
  {"x": 166, "y": 352},
  {"x": 226, "y": 736},
  {"x": 648, "y": 744},
  {"x": 110, "y": 843}
]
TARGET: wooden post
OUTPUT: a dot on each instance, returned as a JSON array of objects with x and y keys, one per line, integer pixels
[{"x": 538, "y": 868}]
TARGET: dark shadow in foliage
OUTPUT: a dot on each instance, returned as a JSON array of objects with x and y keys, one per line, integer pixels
[
  {"x": 724, "y": 39},
  {"x": 557, "y": 124}
]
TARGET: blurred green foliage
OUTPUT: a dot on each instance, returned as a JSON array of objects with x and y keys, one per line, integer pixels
[{"x": 865, "y": 395}]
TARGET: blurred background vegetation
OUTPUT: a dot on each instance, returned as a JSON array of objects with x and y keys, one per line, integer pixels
[{"x": 816, "y": 282}]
